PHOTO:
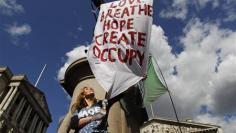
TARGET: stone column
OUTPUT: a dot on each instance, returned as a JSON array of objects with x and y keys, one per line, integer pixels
[
  {"x": 32, "y": 126},
  {"x": 5, "y": 100},
  {"x": 25, "y": 117},
  {"x": 3, "y": 91},
  {"x": 44, "y": 129},
  {"x": 116, "y": 120},
  {"x": 19, "y": 112},
  {"x": 11, "y": 130},
  {"x": 39, "y": 127},
  {"x": 1, "y": 124},
  {"x": 12, "y": 102},
  {"x": 3, "y": 94},
  {"x": 18, "y": 109}
]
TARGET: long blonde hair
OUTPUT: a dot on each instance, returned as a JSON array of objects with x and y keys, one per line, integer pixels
[{"x": 80, "y": 101}]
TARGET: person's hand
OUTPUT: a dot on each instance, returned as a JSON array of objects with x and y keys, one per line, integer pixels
[
  {"x": 144, "y": 77},
  {"x": 77, "y": 114},
  {"x": 99, "y": 116}
]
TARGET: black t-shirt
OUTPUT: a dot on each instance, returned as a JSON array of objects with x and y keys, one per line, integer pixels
[{"x": 98, "y": 126}]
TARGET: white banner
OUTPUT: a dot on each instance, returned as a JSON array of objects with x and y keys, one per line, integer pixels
[{"x": 119, "y": 54}]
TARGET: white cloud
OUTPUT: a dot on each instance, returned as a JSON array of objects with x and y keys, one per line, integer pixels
[
  {"x": 16, "y": 30},
  {"x": 206, "y": 74},
  {"x": 230, "y": 16},
  {"x": 228, "y": 124},
  {"x": 225, "y": 87},
  {"x": 162, "y": 50},
  {"x": 203, "y": 3},
  {"x": 73, "y": 55},
  {"x": 9, "y": 7},
  {"x": 229, "y": 7},
  {"x": 80, "y": 28},
  {"x": 179, "y": 8}
]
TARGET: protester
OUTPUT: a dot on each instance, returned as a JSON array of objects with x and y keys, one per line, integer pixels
[{"x": 89, "y": 113}]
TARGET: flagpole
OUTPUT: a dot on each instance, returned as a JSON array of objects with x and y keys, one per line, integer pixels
[
  {"x": 93, "y": 11},
  {"x": 171, "y": 99},
  {"x": 40, "y": 75},
  {"x": 150, "y": 59},
  {"x": 152, "y": 111},
  {"x": 95, "y": 5}
]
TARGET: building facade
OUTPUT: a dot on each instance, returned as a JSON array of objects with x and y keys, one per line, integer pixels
[
  {"x": 23, "y": 107},
  {"x": 169, "y": 126}
]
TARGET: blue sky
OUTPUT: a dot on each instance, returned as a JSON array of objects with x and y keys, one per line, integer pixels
[{"x": 34, "y": 33}]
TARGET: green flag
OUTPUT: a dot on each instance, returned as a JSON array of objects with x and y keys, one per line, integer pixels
[{"x": 153, "y": 87}]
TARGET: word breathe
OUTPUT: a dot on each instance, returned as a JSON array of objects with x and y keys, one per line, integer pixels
[{"x": 128, "y": 11}]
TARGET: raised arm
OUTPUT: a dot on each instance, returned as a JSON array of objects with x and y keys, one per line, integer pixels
[{"x": 78, "y": 123}]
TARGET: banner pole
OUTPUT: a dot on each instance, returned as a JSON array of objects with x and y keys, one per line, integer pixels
[
  {"x": 95, "y": 5},
  {"x": 93, "y": 11}
]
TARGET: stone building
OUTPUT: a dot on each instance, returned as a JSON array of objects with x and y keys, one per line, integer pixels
[
  {"x": 169, "y": 126},
  {"x": 23, "y": 107},
  {"x": 79, "y": 75}
]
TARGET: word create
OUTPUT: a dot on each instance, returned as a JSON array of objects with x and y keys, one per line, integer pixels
[{"x": 115, "y": 37}]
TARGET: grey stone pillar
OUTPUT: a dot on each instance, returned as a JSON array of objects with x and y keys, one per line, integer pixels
[
  {"x": 1, "y": 93},
  {"x": 1, "y": 124},
  {"x": 33, "y": 124},
  {"x": 18, "y": 109},
  {"x": 5, "y": 100},
  {"x": 19, "y": 112},
  {"x": 116, "y": 120},
  {"x": 11, "y": 130},
  {"x": 44, "y": 129},
  {"x": 39, "y": 127},
  {"x": 12, "y": 102},
  {"x": 25, "y": 117}
]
